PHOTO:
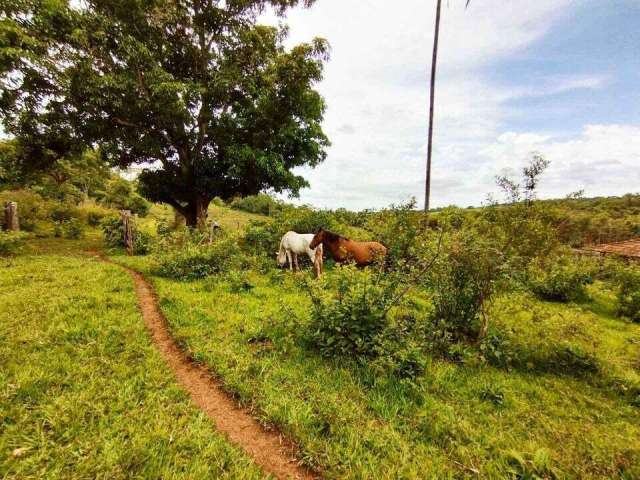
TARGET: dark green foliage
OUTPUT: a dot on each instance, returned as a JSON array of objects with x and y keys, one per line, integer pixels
[
  {"x": 561, "y": 280},
  {"x": 121, "y": 195},
  {"x": 72, "y": 229},
  {"x": 628, "y": 300},
  {"x": 400, "y": 229}
]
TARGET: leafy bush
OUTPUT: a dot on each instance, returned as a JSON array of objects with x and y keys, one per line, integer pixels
[
  {"x": 350, "y": 321},
  {"x": 113, "y": 234},
  {"x": 351, "y": 317},
  {"x": 93, "y": 214},
  {"x": 187, "y": 260},
  {"x": 628, "y": 300},
  {"x": 463, "y": 280},
  {"x": 564, "y": 280},
  {"x": 11, "y": 242},
  {"x": 261, "y": 204},
  {"x": 121, "y": 194},
  {"x": 73, "y": 229},
  {"x": 400, "y": 229}
]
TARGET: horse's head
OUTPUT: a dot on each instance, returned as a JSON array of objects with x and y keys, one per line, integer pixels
[
  {"x": 318, "y": 238},
  {"x": 281, "y": 257}
]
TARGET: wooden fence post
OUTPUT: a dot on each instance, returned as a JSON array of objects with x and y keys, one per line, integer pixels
[
  {"x": 127, "y": 226},
  {"x": 11, "y": 221}
]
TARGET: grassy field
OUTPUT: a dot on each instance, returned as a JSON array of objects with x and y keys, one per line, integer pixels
[
  {"x": 555, "y": 413},
  {"x": 87, "y": 396},
  {"x": 84, "y": 394}
]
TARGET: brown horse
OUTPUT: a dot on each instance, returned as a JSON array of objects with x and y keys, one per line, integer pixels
[{"x": 344, "y": 250}]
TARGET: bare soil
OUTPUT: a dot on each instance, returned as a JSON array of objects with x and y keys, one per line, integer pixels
[{"x": 268, "y": 449}]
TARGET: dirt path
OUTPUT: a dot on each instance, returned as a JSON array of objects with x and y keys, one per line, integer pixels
[{"x": 274, "y": 453}]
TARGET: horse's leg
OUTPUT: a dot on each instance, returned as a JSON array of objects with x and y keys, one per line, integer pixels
[
  {"x": 290, "y": 260},
  {"x": 295, "y": 259}
]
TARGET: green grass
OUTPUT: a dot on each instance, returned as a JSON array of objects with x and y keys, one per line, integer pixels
[
  {"x": 457, "y": 420},
  {"x": 83, "y": 392}
]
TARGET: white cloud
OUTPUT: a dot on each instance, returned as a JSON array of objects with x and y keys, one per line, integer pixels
[
  {"x": 376, "y": 87},
  {"x": 603, "y": 160}
]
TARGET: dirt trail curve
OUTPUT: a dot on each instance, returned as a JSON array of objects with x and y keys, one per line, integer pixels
[{"x": 274, "y": 453}]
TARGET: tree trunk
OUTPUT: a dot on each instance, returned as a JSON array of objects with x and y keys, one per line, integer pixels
[
  {"x": 434, "y": 60},
  {"x": 11, "y": 221},
  {"x": 196, "y": 212}
]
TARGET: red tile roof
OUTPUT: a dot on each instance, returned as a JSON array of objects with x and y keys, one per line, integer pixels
[{"x": 629, "y": 248}]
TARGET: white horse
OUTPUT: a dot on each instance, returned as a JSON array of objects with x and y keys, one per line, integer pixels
[{"x": 294, "y": 244}]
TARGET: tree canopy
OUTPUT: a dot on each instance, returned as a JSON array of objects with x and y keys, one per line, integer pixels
[{"x": 197, "y": 90}]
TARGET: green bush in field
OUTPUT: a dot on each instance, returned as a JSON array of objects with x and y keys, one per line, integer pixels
[
  {"x": 188, "y": 260},
  {"x": 463, "y": 280},
  {"x": 351, "y": 317},
  {"x": 563, "y": 280},
  {"x": 113, "y": 234},
  {"x": 94, "y": 214},
  {"x": 73, "y": 229},
  {"x": 628, "y": 301},
  {"x": 400, "y": 229},
  {"x": 11, "y": 242},
  {"x": 261, "y": 204}
]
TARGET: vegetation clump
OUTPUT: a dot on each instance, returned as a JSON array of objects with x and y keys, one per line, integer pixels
[
  {"x": 352, "y": 317},
  {"x": 188, "y": 255},
  {"x": 113, "y": 233},
  {"x": 628, "y": 294},
  {"x": 563, "y": 280},
  {"x": 11, "y": 242}
]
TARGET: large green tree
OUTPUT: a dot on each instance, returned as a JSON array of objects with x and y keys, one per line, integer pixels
[{"x": 212, "y": 101}]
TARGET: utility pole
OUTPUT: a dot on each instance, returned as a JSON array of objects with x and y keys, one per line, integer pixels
[{"x": 434, "y": 60}]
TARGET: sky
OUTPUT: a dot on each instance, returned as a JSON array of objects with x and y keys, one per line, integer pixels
[{"x": 557, "y": 77}]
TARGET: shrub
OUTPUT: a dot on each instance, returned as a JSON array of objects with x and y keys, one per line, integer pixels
[
  {"x": 11, "y": 242},
  {"x": 113, "y": 234},
  {"x": 351, "y": 317},
  {"x": 121, "y": 194},
  {"x": 628, "y": 298},
  {"x": 94, "y": 214},
  {"x": 350, "y": 321},
  {"x": 63, "y": 212},
  {"x": 463, "y": 280},
  {"x": 261, "y": 204},
  {"x": 188, "y": 260},
  {"x": 73, "y": 229},
  {"x": 400, "y": 229},
  {"x": 113, "y": 231},
  {"x": 564, "y": 280}
]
